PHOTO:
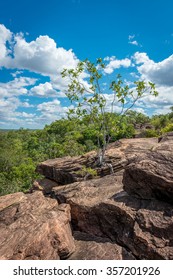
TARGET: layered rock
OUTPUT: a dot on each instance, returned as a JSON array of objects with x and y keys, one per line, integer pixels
[
  {"x": 151, "y": 176},
  {"x": 124, "y": 215},
  {"x": 143, "y": 227},
  {"x": 72, "y": 169},
  {"x": 34, "y": 227},
  {"x": 136, "y": 215}
]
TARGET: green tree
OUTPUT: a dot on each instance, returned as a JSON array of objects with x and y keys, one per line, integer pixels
[{"x": 90, "y": 100}]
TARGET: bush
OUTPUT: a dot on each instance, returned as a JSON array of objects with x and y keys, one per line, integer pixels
[
  {"x": 150, "y": 133},
  {"x": 167, "y": 128}
]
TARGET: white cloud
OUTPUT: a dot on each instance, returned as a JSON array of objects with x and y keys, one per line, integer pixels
[
  {"x": 140, "y": 110},
  {"x": 52, "y": 109},
  {"x": 46, "y": 90},
  {"x": 15, "y": 74},
  {"x": 134, "y": 43},
  {"x": 132, "y": 40},
  {"x": 8, "y": 107},
  {"x": 157, "y": 72},
  {"x": 112, "y": 100},
  {"x": 46, "y": 112},
  {"x": 131, "y": 37},
  {"x": 116, "y": 63},
  {"x": 16, "y": 87},
  {"x": 40, "y": 56},
  {"x": 25, "y": 115},
  {"x": 5, "y": 36}
]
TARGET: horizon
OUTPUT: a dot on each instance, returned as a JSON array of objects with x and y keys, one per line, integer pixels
[{"x": 135, "y": 39}]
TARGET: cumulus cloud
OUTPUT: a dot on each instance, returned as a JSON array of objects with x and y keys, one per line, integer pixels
[
  {"x": 46, "y": 90},
  {"x": 157, "y": 72},
  {"x": 116, "y": 63},
  {"x": 16, "y": 87},
  {"x": 41, "y": 55},
  {"x": 9, "y": 106},
  {"x": 5, "y": 36},
  {"x": 51, "y": 111},
  {"x": 52, "y": 107},
  {"x": 46, "y": 112}
]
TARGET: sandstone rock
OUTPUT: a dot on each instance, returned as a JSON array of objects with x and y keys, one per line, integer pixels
[
  {"x": 34, "y": 227},
  {"x": 168, "y": 136},
  {"x": 101, "y": 208},
  {"x": 69, "y": 169},
  {"x": 151, "y": 176},
  {"x": 114, "y": 223},
  {"x": 44, "y": 185},
  {"x": 90, "y": 247}
]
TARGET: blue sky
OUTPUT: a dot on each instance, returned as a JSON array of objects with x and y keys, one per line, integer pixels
[{"x": 39, "y": 38}]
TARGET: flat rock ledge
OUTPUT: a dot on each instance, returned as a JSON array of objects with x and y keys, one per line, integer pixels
[{"x": 34, "y": 227}]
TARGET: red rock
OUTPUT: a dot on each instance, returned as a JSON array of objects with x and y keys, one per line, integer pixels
[
  {"x": 34, "y": 227},
  {"x": 151, "y": 176}
]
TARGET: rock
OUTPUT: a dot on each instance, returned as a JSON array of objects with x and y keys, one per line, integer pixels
[
  {"x": 44, "y": 185},
  {"x": 124, "y": 215},
  {"x": 168, "y": 136},
  {"x": 87, "y": 192},
  {"x": 102, "y": 209},
  {"x": 73, "y": 169},
  {"x": 34, "y": 227},
  {"x": 90, "y": 247},
  {"x": 112, "y": 221},
  {"x": 151, "y": 176}
]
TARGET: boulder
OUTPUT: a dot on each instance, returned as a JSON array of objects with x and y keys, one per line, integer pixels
[
  {"x": 34, "y": 227},
  {"x": 151, "y": 176}
]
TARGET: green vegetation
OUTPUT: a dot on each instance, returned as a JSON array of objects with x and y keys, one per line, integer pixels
[
  {"x": 21, "y": 150},
  {"x": 90, "y": 100}
]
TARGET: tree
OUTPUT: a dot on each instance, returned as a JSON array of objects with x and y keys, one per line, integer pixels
[{"x": 89, "y": 99}]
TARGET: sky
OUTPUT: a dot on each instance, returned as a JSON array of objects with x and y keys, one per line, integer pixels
[{"x": 38, "y": 39}]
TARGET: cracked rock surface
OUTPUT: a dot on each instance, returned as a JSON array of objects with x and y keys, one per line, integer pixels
[
  {"x": 34, "y": 227},
  {"x": 68, "y": 215}
]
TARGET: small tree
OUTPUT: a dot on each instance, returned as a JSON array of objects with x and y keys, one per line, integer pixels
[{"x": 89, "y": 98}]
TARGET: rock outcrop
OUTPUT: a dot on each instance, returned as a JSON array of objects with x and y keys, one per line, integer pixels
[
  {"x": 102, "y": 208},
  {"x": 34, "y": 227},
  {"x": 130, "y": 208},
  {"x": 127, "y": 214},
  {"x": 71, "y": 169}
]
